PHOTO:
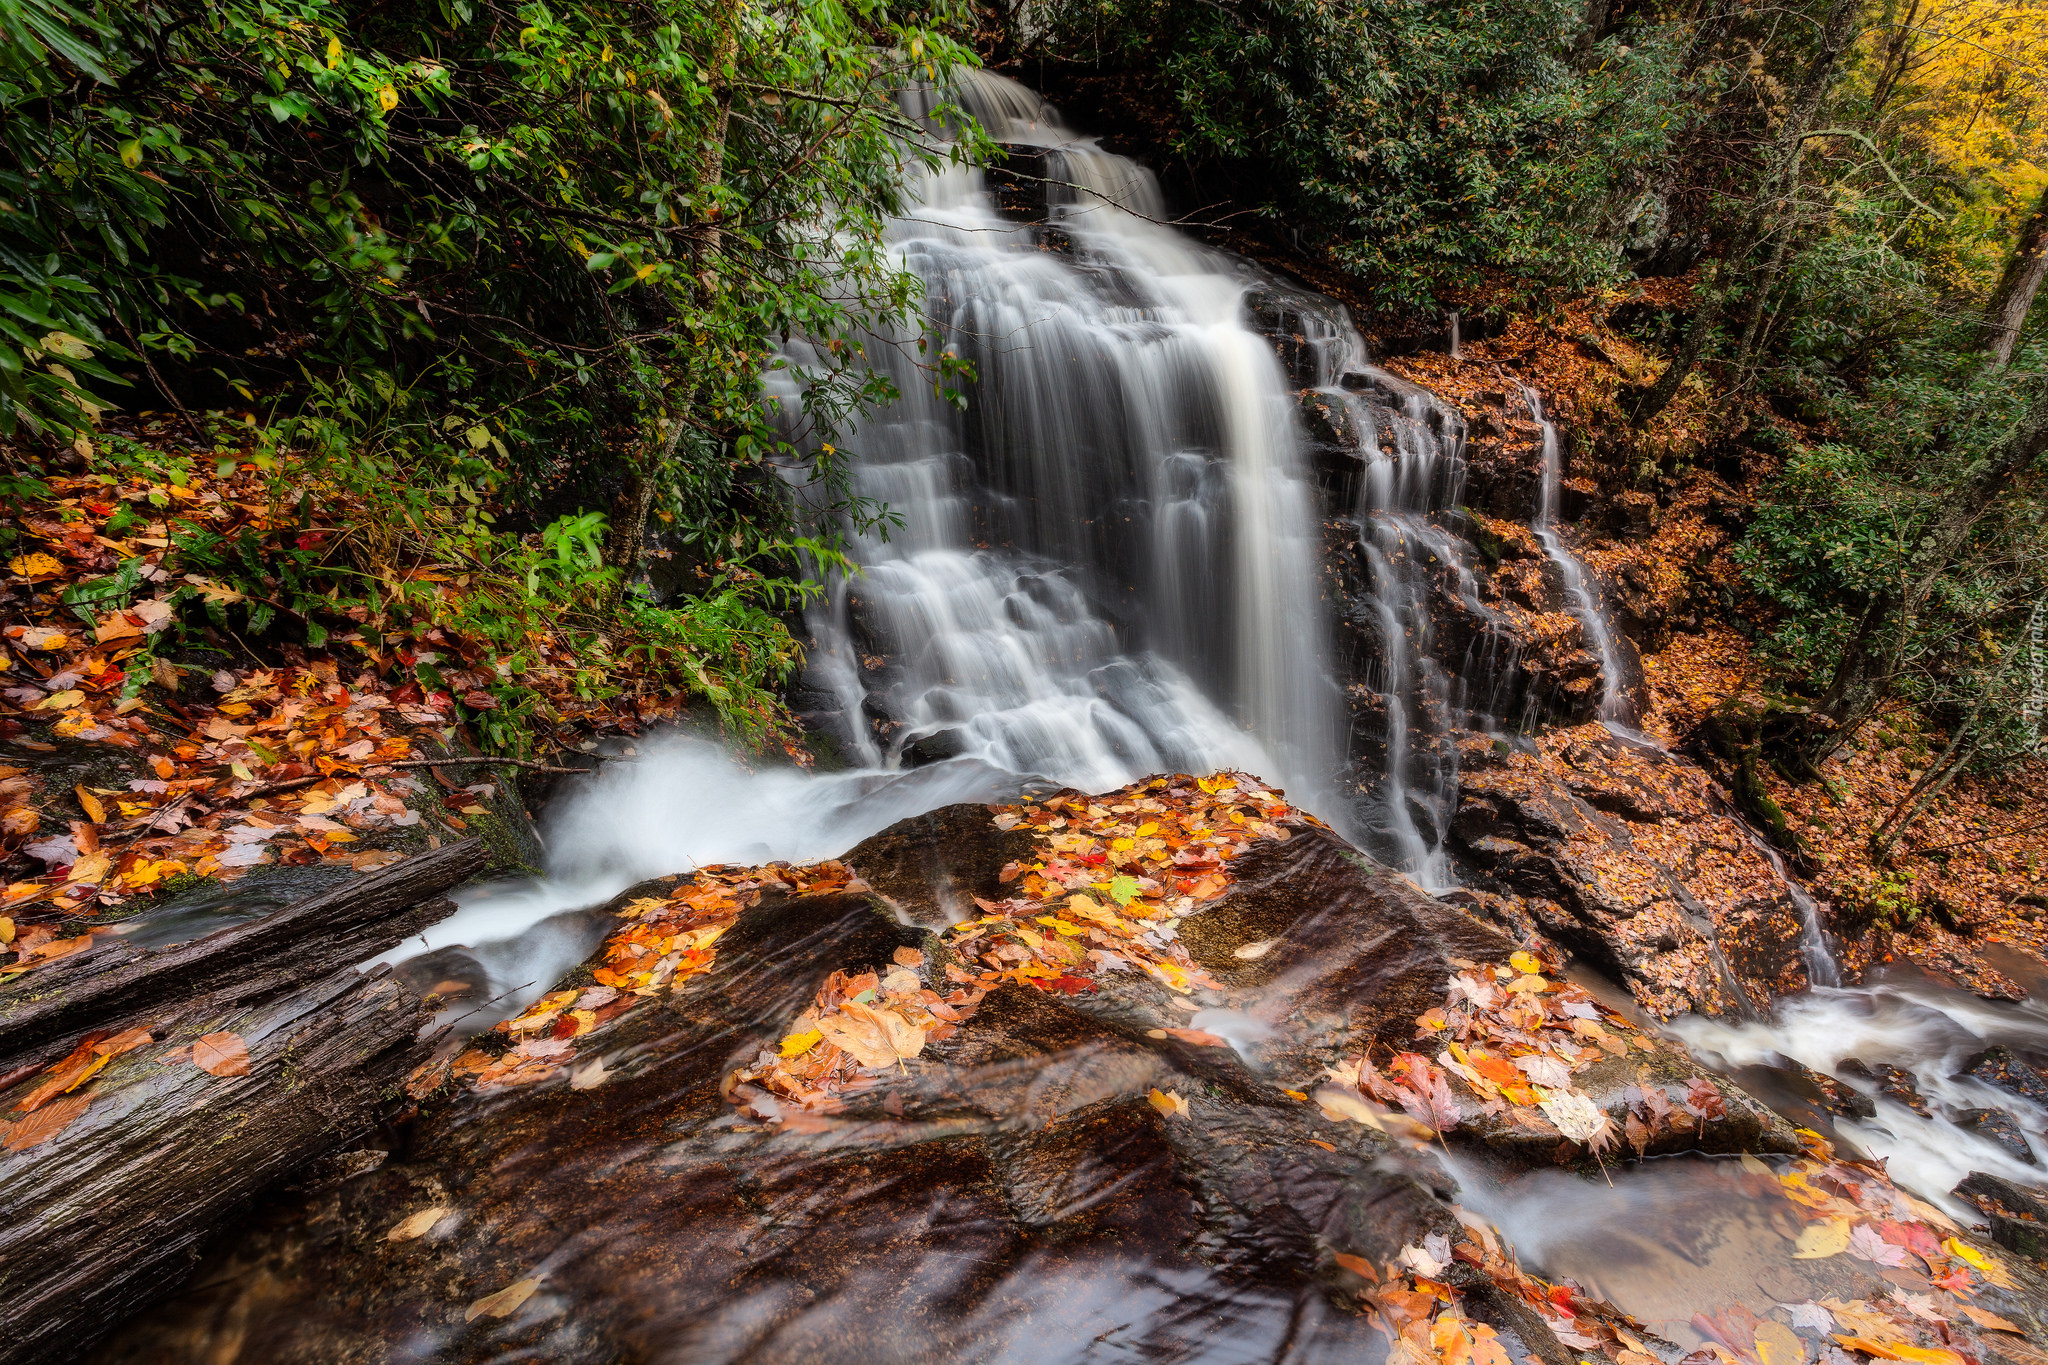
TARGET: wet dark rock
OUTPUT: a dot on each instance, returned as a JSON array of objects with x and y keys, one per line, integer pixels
[
  {"x": 1995, "y": 1125},
  {"x": 1010, "y": 1192},
  {"x": 934, "y": 748},
  {"x": 1630, "y": 856},
  {"x": 930, "y": 867},
  {"x": 2018, "y": 1217},
  {"x": 1999, "y": 1066},
  {"x": 1887, "y": 1081}
]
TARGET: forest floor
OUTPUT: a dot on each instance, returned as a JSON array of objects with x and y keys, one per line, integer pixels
[
  {"x": 146, "y": 747},
  {"x": 1664, "y": 514}
]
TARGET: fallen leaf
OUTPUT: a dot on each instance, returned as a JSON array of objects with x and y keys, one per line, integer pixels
[
  {"x": 416, "y": 1225},
  {"x": 1777, "y": 1344},
  {"x": 1252, "y": 952},
  {"x": 1810, "y": 1315},
  {"x": 797, "y": 1044},
  {"x": 1990, "y": 1321},
  {"x": 1357, "y": 1265},
  {"x": 45, "y": 1123},
  {"x": 1169, "y": 1102},
  {"x": 907, "y": 957},
  {"x": 1818, "y": 1241},
  {"x": 1196, "y": 1036},
  {"x": 1526, "y": 963},
  {"x": 590, "y": 1076},
  {"x": 1576, "y": 1116},
  {"x": 1866, "y": 1245},
  {"x": 221, "y": 1054},
  {"x": 95, "y": 809},
  {"x": 504, "y": 1303}
]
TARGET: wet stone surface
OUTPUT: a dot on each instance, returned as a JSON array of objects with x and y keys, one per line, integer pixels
[{"x": 1016, "y": 1191}]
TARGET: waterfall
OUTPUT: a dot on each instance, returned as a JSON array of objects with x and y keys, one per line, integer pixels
[
  {"x": 1578, "y": 593},
  {"x": 1106, "y": 560}
]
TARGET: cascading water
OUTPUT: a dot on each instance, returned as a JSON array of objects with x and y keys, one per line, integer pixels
[
  {"x": 1107, "y": 558},
  {"x": 1613, "y": 707}
]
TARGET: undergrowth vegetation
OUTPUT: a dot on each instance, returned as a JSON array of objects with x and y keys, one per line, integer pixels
[{"x": 477, "y": 289}]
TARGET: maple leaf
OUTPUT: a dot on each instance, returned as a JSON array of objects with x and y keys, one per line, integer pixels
[
  {"x": 1866, "y": 1245},
  {"x": 1546, "y": 1071},
  {"x": 1810, "y": 1316}
]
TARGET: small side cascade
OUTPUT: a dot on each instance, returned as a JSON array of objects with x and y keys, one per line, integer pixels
[{"x": 1614, "y": 706}]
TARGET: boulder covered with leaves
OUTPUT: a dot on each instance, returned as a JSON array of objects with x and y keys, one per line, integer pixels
[{"x": 779, "y": 1114}]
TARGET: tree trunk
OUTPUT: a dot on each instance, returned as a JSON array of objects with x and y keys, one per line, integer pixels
[
  {"x": 628, "y": 532},
  {"x": 1864, "y": 675},
  {"x": 1781, "y": 170},
  {"x": 2006, "y": 314},
  {"x": 1932, "y": 783},
  {"x": 109, "y": 1192}
]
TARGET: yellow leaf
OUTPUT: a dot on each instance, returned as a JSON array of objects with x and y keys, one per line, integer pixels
[
  {"x": 1525, "y": 963},
  {"x": 504, "y": 1303},
  {"x": 95, "y": 810},
  {"x": 387, "y": 100},
  {"x": 1777, "y": 1344},
  {"x": 31, "y": 566},
  {"x": 1169, "y": 1102},
  {"x": 417, "y": 1225},
  {"x": 644, "y": 271},
  {"x": 797, "y": 1044},
  {"x": 1818, "y": 1241},
  {"x": 241, "y": 770},
  {"x": 1991, "y": 1267},
  {"x": 63, "y": 701},
  {"x": 131, "y": 153},
  {"x": 1149, "y": 827}
]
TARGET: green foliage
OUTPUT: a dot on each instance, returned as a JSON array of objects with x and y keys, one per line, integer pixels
[
  {"x": 1427, "y": 144},
  {"x": 473, "y": 267}
]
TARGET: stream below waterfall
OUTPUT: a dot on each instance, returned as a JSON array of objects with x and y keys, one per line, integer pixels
[{"x": 1107, "y": 564}]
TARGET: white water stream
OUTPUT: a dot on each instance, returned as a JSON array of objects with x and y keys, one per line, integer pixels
[{"x": 1108, "y": 564}]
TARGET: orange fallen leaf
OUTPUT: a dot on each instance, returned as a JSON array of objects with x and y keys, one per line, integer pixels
[
  {"x": 416, "y": 1225},
  {"x": 1198, "y": 1037},
  {"x": 46, "y": 1123},
  {"x": 1991, "y": 1322},
  {"x": 1358, "y": 1265},
  {"x": 221, "y": 1054},
  {"x": 95, "y": 810}
]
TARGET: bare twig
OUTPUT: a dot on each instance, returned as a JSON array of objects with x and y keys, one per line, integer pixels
[{"x": 1981, "y": 839}]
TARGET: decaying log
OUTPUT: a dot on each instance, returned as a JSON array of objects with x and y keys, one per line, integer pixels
[
  {"x": 110, "y": 1209},
  {"x": 301, "y": 942}
]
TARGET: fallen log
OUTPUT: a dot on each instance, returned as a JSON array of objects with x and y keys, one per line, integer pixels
[
  {"x": 298, "y": 943},
  {"x": 173, "y": 1086}
]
